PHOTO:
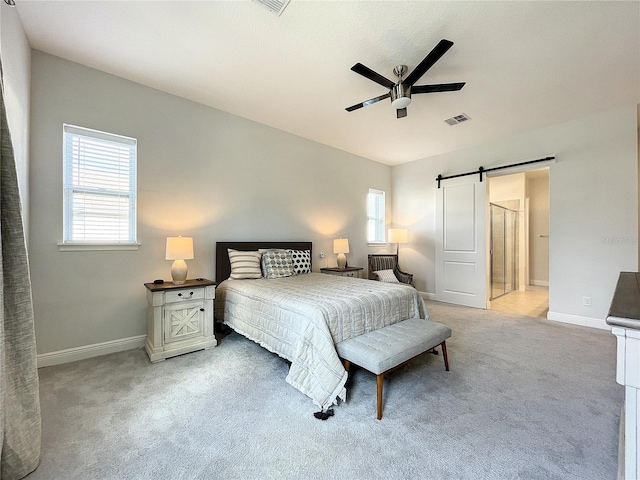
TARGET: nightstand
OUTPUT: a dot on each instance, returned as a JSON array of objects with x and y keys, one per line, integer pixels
[
  {"x": 180, "y": 318},
  {"x": 354, "y": 272}
]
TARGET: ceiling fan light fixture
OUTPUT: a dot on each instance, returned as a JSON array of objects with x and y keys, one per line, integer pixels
[
  {"x": 401, "y": 102},
  {"x": 400, "y": 96}
]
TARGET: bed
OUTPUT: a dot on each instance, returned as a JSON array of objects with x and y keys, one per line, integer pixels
[{"x": 301, "y": 317}]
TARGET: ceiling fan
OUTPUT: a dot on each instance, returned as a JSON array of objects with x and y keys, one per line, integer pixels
[{"x": 401, "y": 91}]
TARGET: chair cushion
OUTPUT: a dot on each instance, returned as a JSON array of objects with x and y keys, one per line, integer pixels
[
  {"x": 387, "y": 276},
  {"x": 388, "y": 347}
]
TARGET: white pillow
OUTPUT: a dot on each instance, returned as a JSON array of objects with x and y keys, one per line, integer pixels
[
  {"x": 244, "y": 264},
  {"x": 386, "y": 276}
]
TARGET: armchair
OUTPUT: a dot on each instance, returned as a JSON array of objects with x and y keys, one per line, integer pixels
[{"x": 388, "y": 261}]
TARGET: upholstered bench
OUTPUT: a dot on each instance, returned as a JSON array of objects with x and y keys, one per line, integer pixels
[{"x": 384, "y": 350}]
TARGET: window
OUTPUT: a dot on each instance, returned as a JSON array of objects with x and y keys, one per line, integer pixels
[
  {"x": 375, "y": 214},
  {"x": 99, "y": 187}
]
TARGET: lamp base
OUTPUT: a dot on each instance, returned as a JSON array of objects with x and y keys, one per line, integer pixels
[
  {"x": 342, "y": 260},
  {"x": 179, "y": 272}
]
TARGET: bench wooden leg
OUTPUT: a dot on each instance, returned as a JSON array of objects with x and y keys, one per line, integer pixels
[
  {"x": 380, "y": 382},
  {"x": 444, "y": 354},
  {"x": 347, "y": 364}
]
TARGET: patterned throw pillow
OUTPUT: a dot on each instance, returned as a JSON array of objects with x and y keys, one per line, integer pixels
[
  {"x": 301, "y": 261},
  {"x": 277, "y": 263},
  {"x": 386, "y": 276},
  {"x": 244, "y": 264}
]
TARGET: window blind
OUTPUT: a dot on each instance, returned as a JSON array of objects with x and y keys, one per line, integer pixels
[
  {"x": 376, "y": 216},
  {"x": 99, "y": 187}
]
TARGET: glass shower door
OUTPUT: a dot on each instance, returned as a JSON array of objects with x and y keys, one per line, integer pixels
[{"x": 503, "y": 250}]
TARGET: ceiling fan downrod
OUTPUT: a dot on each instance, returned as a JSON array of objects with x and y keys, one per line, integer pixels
[{"x": 400, "y": 93}]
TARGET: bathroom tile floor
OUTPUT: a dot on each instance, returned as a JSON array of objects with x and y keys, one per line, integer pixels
[{"x": 534, "y": 302}]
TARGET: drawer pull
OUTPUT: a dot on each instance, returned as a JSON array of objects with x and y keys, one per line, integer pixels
[{"x": 190, "y": 294}]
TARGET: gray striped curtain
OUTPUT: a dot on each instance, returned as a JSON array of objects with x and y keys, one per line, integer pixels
[{"x": 19, "y": 401}]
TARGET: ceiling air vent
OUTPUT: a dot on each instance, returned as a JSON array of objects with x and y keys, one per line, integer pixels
[
  {"x": 463, "y": 117},
  {"x": 274, "y": 6}
]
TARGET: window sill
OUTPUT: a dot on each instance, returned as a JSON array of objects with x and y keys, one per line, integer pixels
[{"x": 86, "y": 247}]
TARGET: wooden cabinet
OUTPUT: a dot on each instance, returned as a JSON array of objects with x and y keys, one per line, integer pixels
[
  {"x": 354, "y": 272},
  {"x": 180, "y": 318}
]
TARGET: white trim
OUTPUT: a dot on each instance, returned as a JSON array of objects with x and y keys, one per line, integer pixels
[
  {"x": 110, "y": 137},
  {"x": 539, "y": 283},
  {"x": 89, "y": 351},
  {"x": 578, "y": 320},
  {"x": 84, "y": 247},
  {"x": 428, "y": 296}
]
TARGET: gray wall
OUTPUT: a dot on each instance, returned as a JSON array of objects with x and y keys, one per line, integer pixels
[
  {"x": 16, "y": 65},
  {"x": 593, "y": 204},
  {"x": 215, "y": 176},
  {"x": 201, "y": 173}
]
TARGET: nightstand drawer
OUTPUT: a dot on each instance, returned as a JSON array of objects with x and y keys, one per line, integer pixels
[
  {"x": 182, "y": 295},
  {"x": 353, "y": 272}
]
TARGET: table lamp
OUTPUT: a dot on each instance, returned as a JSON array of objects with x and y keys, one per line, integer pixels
[
  {"x": 179, "y": 249},
  {"x": 341, "y": 246}
]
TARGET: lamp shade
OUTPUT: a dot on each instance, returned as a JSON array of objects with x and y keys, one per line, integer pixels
[
  {"x": 179, "y": 248},
  {"x": 341, "y": 245},
  {"x": 398, "y": 235}
]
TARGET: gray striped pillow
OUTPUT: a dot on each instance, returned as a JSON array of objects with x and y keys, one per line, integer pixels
[{"x": 244, "y": 264}]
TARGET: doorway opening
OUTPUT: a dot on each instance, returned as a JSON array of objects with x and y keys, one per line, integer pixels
[{"x": 518, "y": 243}]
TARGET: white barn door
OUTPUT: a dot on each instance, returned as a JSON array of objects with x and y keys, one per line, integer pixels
[{"x": 461, "y": 256}]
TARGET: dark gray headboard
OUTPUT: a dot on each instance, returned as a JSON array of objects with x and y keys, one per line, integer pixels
[{"x": 223, "y": 267}]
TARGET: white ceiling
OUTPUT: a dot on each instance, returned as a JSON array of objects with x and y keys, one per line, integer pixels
[{"x": 526, "y": 64}]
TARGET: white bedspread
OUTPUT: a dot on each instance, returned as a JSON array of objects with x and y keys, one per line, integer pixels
[{"x": 301, "y": 318}]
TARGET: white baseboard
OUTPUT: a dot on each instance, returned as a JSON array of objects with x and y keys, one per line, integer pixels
[
  {"x": 578, "y": 320},
  {"x": 428, "y": 296},
  {"x": 539, "y": 283},
  {"x": 88, "y": 351}
]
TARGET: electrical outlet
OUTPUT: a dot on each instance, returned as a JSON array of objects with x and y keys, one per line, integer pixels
[
  {"x": 321, "y": 255},
  {"x": 586, "y": 301}
]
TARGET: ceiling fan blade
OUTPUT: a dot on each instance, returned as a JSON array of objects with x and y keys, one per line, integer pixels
[
  {"x": 432, "y": 57},
  {"x": 371, "y": 75},
  {"x": 367, "y": 102},
  {"x": 441, "y": 87},
  {"x": 401, "y": 112}
]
